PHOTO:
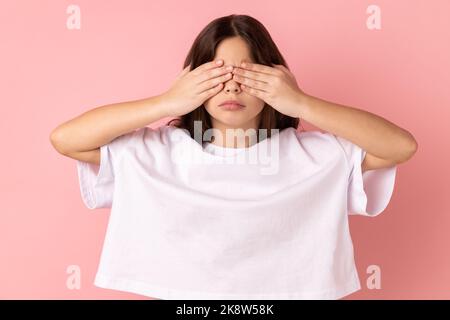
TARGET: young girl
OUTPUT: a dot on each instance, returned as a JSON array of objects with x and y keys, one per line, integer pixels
[{"x": 233, "y": 202}]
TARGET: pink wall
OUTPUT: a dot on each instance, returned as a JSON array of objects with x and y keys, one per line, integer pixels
[{"x": 133, "y": 49}]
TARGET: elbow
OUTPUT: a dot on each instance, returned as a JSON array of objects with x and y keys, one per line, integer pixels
[
  {"x": 57, "y": 141},
  {"x": 410, "y": 150},
  {"x": 413, "y": 146}
]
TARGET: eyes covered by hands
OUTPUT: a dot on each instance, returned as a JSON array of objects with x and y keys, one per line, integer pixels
[
  {"x": 276, "y": 85},
  {"x": 191, "y": 88}
]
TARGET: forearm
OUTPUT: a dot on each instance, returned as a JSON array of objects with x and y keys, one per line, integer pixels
[
  {"x": 371, "y": 132},
  {"x": 100, "y": 125}
]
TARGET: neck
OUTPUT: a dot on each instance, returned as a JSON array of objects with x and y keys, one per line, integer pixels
[{"x": 242, "y": 136}]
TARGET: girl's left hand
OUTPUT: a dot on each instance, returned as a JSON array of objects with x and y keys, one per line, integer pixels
[{"x": 276, "y": 85}]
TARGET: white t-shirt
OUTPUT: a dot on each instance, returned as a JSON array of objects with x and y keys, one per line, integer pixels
[{"x": 191, "y": 221}]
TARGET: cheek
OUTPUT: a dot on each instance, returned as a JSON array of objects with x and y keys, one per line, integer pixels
[
  {"x": 256, "y": 103},
  {"x": 212, "y": 100},
  {"x": 208, "y": 103},
  {"x": 254, "y": 110}
]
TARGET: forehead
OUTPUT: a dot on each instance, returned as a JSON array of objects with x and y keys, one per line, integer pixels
[{"x": 233, "y": 51}]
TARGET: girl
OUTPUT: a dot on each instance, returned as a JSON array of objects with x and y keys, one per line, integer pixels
[{"x": 193, "y": 218}]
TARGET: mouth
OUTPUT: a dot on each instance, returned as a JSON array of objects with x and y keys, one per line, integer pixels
[{"x": 231, "y": 106}]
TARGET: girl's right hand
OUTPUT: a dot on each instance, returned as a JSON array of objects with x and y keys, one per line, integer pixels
[{"x": 191, "y": 89}]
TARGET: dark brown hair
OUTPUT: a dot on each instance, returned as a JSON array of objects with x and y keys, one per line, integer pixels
[{"x": 263, "y": 51}]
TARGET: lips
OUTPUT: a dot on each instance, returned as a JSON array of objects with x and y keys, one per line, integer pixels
[
  {"x": 231, "y": 106},
  {"x": 231, "y": 102}
]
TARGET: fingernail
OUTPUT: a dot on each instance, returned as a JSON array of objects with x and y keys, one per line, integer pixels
[
  {"x": 229, "y": 68},
  {"x": 219, "y": 61}
]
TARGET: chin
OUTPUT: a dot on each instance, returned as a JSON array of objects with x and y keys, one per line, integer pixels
[{"x": 234, "y": 123}]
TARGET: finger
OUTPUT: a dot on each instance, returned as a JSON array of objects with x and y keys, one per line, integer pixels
[
  {"x": 207, "y": 66},
  {"x": 284, "y": 69},
  {"x": 258, "y": 67},
  {"x": 211, "y": 92},
  {"x": 206, "y": 85},
  {"x": 254, "y": 92},
  {"x": 280, "y": 67},
  {"x": 263, "y": 77},
  {"x": 184, "y": 72},
  {"x": 256, "y": 84},
  {"x": 211, "y": 74}
]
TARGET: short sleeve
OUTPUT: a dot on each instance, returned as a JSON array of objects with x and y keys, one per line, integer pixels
[
  {"x": 97, "y": 181},
  {"x": 369, "y": 192}
]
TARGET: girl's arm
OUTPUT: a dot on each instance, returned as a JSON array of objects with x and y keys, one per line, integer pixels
[
  {"x": 81, "y": 137},
  {"x": 386, "y": 144}
]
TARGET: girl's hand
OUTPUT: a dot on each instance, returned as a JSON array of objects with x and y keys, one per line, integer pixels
[
  {"x": 277, "y": 86},
  {"x": 191, "y": 89}
]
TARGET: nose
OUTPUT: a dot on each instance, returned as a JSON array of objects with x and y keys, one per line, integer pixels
[{"x": 232, "y": 86}]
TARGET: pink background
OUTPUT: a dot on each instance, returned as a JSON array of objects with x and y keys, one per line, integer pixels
[{"x": 133, "y": 49}]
